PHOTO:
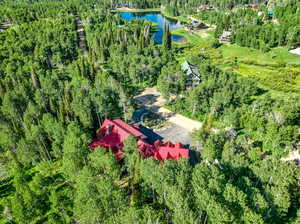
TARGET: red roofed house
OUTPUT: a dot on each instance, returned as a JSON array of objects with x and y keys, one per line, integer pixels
[
  {"x": 113, "y": 133},
  {"x": 170, "y": 151}
]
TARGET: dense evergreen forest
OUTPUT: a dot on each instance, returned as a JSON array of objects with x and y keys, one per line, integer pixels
[
  {"x": 184, "y": 4},
  {"x": 250, "y": 28},
  {"x": 65, "y": 66}
]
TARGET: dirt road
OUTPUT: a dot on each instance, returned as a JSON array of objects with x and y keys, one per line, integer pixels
[
  {"x": 154, "y": 101},
  {"x": 182, "y": 126}
]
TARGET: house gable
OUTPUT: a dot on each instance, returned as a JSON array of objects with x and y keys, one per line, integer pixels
[{"x": 192, "y": 74}]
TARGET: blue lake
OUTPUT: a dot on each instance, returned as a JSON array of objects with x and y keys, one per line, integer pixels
[{"x": 160, "y": 20}]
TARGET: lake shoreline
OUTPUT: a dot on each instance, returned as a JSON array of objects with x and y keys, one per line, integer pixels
[
  {"x": 157, "y": 19},
  {"x": 168, "y": 16},
  {"x": 155, "y": 10},
  {"x": 125, "y": 9}
]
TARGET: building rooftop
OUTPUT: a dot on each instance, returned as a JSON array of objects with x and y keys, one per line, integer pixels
[
  {"x": 113, "y": 133},
  {"x": 129, "y": 129},
  {"x": 190, "y": 69}
]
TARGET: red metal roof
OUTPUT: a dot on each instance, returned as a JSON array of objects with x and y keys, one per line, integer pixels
[
  {"x": 113, "y": 133},
  {"x": 170, "y": 151},
  {"x": 129, "y": 129}
]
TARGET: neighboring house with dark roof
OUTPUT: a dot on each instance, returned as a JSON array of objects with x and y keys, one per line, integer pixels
[
  {"x": 197, "y": 25},
  {"x": 191, "y": 72},
  {"x": 191, "y": 76}
]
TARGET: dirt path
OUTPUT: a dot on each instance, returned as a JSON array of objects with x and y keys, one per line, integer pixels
[{"x": 154, "y": 101}]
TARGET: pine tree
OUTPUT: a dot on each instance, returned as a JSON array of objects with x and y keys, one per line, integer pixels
[
  {"x": 167, "y": 40},
  {"x": 132, "y": 162}
]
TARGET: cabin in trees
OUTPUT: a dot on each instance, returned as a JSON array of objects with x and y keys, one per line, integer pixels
[
  {"x": 253, "y": 7},
  {"x": 113, "y": 133},
  {"x": 205, "y": 7},
  {"x": 225, "y": 37},
  {"x": 197, "y": 25},
  {"x": 192, "y": 75}
]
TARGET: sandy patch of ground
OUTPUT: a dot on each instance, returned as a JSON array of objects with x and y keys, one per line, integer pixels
[
  {"x": 202, "y": 34},
  {"x": 179, "y": 120}
]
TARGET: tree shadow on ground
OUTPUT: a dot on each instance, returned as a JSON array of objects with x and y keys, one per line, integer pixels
[
  {"x": 151, "y": 135},
  {"x": 147, "y": 99}
]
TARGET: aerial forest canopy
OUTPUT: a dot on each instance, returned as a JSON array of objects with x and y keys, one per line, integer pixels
[{"x": 66, "y": 66}]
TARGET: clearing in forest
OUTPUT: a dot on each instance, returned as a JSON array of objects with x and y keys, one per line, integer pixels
[{"x": 179, "y": 127}]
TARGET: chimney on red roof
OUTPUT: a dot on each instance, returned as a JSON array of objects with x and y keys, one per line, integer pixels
[
  {"x": 157, "y": 143},
  {"x": 179, "y": 145},
  {"x": 108, "y": 129}
]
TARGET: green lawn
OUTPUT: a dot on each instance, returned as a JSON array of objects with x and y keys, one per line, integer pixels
[
  {"x": 287, "y": 56},
  {"x": 276, "y": 70},
  {"x": 252, "y": 56},
  {"x": 192, "y": 39},
  {"x": 282, "y": 79}
]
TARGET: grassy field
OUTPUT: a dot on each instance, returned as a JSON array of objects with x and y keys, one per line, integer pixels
[
  {"x": 275, "y": 56},
  {"x": 194, "y": 41},
  {"x": 276, "y": 70},
  {"x": 190, "y": 38}
]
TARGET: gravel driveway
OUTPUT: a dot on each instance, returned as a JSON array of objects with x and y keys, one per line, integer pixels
[
  {"x": 179, "y": 127},
  {"x": 175, "y": 133}
]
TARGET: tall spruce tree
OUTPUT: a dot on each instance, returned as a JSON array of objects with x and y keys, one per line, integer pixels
[{"x": 167, "y": 40}]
